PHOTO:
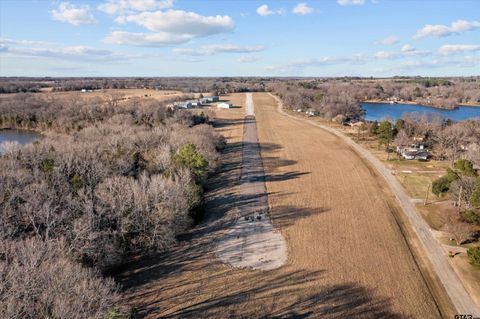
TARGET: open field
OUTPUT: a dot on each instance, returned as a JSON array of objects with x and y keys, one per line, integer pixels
[
  {"x": 416, "y": 178},
  {"x": 420, "y": 234},
  {"x": 346, "y": 253},
  {"x": 160, "y": 95}
]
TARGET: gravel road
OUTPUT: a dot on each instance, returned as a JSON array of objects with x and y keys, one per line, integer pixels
[{"x": 252, "y": 241}]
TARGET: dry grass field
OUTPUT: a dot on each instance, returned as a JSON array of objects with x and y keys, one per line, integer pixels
[
  {"x": 347, "y": 257},
  {"x": 160, "y": 95}
]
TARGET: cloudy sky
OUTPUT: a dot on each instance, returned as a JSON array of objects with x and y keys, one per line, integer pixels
[{"x": 235, "y": 38}]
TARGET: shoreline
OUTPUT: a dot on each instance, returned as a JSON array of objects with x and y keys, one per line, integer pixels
[{"x": 414, "y": 103}]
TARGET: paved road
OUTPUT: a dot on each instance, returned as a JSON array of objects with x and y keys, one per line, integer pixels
[{"x": 454, "y": 287}]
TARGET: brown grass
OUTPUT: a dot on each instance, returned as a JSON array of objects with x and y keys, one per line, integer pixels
[
  {"x": 347, "y": 255},
  {"x": 160, "y": 95}
]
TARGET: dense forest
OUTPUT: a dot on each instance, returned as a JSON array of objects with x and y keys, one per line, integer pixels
[{"x": 108, "y": 179}]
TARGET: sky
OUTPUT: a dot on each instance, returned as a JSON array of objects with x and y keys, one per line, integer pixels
[{"x": 325, "y": 38}]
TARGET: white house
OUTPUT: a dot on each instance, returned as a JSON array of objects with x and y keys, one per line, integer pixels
[
  {"x": 414, "y": 151},
  {"x": 224, "y": 105}
]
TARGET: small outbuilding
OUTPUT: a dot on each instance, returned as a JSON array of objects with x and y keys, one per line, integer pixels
[{"x": 224, "y": 105}]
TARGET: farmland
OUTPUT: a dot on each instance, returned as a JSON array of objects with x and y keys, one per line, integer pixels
[
  {"x": 347, "y": 255},
  {"x": 159, "y": 95}
]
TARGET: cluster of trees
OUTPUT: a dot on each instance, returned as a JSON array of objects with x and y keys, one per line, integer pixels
[
  {"x": 106, "y": 180},
  {"x": 329, "y": 100},
  {"x": 192, "y": 85},
  {"x": 462, "y": 183},
  {"x": 443, "y": 93},
  {"x": 446, "y": 140}
]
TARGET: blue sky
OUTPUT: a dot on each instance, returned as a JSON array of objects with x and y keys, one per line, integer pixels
[{"x": 239, "y": 38}]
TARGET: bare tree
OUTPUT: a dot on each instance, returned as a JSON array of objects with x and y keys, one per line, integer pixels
[{"x": 459, "y": 230}]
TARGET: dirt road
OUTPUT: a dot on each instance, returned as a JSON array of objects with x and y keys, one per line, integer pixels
[
  {"x": 462, "y": 301},
  {"x": 347, "y": 257},
  {"x": 251, "y": 241}
]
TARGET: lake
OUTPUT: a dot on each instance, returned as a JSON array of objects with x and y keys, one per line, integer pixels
[
  {"x": 20, "y": 136},
  {"x": 380, "y": 111}
]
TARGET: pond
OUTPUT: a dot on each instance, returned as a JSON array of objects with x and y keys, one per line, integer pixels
[
  {"x": 380, "y": 111},
  {"x": 21, "y": 137}
]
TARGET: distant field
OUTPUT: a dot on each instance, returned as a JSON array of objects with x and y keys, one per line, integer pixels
[{"x": 160, "y": 95}]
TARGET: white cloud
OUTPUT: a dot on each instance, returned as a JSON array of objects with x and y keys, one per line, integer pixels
[
  {"x": 182, "y": 22},
  {"x": 303, "y": 9},
  {"x": 72, "y": 14},
  {"x": 169, "y": 27},
  {"x": 248, "y": 59},
  {"x": 146, "y": 39},
  {"x": 264, "y": 11},
  {"x": 449, "y": 49},
  {"x": 407, "y": 48},
  {"x": 390, "y": 40},
  {"x": 123, "y": 6},
  {"x": 72, "y": 53},
  {"x": 350, "y": 2},
  {"x": 385, "y": 55},
  {"x": 213, "y": 49},
  {"x": 440, "y": 30},
  {"x": 22, "y": 42},
  {"x": 406, "y": 51}
]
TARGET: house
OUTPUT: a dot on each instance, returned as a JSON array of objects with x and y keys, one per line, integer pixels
[
  {"x": 224, "y": 105},
  {"x": 414, "y": 151}
]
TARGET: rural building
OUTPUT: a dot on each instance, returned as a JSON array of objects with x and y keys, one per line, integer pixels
[
  {"x": 183, "y": 105},
  {"x": 195, "y": 103},
  {"x": 224, "y": 105},
  {"x": 209, "y": 99},
  {"x": 414, "y": 152}
]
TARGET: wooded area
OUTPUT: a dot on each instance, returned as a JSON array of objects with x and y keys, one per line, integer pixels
[{"x": 107, "y": 180}]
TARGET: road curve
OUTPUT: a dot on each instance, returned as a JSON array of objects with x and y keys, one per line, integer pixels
[{"x": 459, "y": 296}]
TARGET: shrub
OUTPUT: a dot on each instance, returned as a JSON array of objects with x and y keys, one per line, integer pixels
[
  {"x": 465, "y": 167},
  {"x": 188, "y": 157},
  {"x": 473, "y": 254},
  {"x": 441, "y": 185},
  {"x": 471, "y": 217},
  {"x": 475, "y": 197},
  {"x": 451, "y": 175}
]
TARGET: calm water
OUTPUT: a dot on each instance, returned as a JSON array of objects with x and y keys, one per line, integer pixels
[
  {"x": 380, "y": 111},
  {"x": 20, "y": 136}
]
